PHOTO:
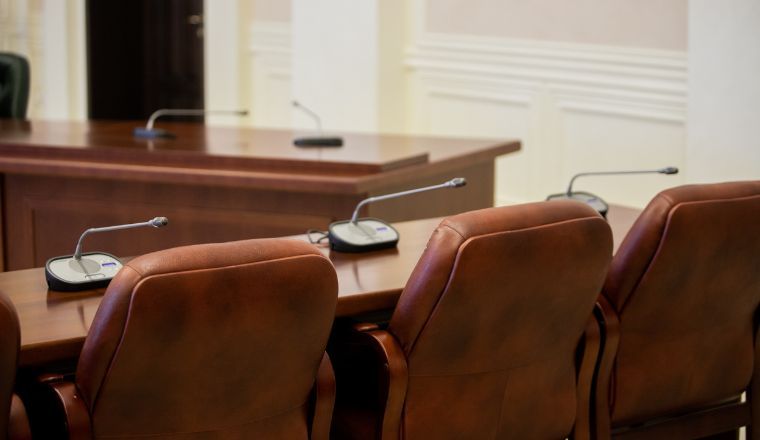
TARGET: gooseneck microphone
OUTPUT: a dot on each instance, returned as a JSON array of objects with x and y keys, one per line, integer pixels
[
  {"x": 368, "y": 234},
  {"x": 156, "y": 223},
  {"x": 594, "y": 201},
  {"x": 83, "y": 271},
  {"x": 315, "y": 141},
  {"x": 453, "y": 183},
  {"x": 149, "y": 132}
]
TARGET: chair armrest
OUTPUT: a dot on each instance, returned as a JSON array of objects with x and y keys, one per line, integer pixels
[
  {"x": 324, "y": 400},
  {"x": 371, "y": 370},
  {"x": 603, "y": 398},
  {"x": 70, "y": 405},
  {"x": 363, "y": 327},
  {"x": 591, "y": 346},
  {"x": 393, "y": 360}
]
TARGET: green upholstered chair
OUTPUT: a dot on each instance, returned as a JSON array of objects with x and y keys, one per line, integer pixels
[{"x": 14, "y": 85}]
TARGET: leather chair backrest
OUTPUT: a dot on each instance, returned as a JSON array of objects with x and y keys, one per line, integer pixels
[
  {"x": 9, "y": 345},
  {"x": 686, "y": 285},
  {"x": 491, "y": 318},
  {"x": 216, "y": 340},
  {"x": 14, "y": 85}
]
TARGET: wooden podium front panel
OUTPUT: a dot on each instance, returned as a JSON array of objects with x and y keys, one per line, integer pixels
[{"x": 46, "y": 216}]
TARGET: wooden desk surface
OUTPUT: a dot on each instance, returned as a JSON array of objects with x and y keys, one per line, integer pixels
[
  {"x": 54, "y": 324},
  {"x": 229, "y": 156}
]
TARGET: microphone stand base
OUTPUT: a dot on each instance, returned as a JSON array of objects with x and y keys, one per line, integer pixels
[
  {"x": 592, "y": 200},
  {"x": 367, "y": 234},
  {"x": 142, "y": 132},
  {"x": 316, "y": 142},
  {"x": 93, "y": 270}
]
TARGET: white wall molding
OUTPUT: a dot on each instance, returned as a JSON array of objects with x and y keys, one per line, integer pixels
[
  {"x": 575, "y": 107},
  {"x": 269, "y": 37},
  {"x": 452, "y": 92},
  {"x": 269, "y": 46},
  {"x": 637, "y": 82}
]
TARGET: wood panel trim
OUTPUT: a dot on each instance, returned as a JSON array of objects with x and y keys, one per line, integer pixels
[
  {"x": 177, "y": 175},
  {"x": 311, "y": 183}
]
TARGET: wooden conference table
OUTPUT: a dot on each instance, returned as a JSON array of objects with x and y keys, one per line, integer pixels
[
  {"x": 214, "y": 184},
  {"x": 54, "y": 324}
]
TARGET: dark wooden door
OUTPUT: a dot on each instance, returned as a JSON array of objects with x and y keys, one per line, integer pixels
[{"x": 143, "y": 56}]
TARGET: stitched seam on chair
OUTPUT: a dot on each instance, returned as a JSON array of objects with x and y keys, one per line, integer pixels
[
  {"x": 528, "y": 228},
  {"x": 438, "y": 299},
  {"x": 662, "y": 234},
  {"x": 215, "y": 429},
  {"x": 231, "y": 266},
  {"x": 455, "y": 230},
  {"x": 670, "y": 200},
  {"x": 456, "y": 259},
  {"x": 651, "y": 257}
]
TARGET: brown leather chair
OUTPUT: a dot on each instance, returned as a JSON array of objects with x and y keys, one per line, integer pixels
[
  {"x": 209, "y": 341},
  {"x": 681, "y": 302},
  {"x": 13, "y": 421},
  {"x": 487, "y": 340}
]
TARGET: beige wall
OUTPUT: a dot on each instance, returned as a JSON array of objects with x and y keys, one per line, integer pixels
[
  {"x": 270, "y": 10},
  {"x": 657, "y": 24},
  {"x": 724, "y": 94}
]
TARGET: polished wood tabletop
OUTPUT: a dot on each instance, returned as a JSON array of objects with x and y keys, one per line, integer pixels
[
  {"x": 54, "y": 324},
  {"x": 228, "y": 156}
]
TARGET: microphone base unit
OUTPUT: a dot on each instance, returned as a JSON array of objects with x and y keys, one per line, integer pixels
[
  {"x": 367, "y": 234},
  {"x": 93, "y": 270},
  {"x": 592, "y": 200},
  {"x": 153, "y": 133},
  {"x": 308, "y": 142}
]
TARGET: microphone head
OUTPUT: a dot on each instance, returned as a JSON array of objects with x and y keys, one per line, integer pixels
[
  {"x": 457, "y": 182},
  {"x": 159, "y": 222},
  {"x": 669, "y": 170}
]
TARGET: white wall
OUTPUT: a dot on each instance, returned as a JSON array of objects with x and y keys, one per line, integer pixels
[
  {"x": 347, "y": 63},
  {"x": 269, "y": 10},
  {"x": 724, "y": 90},
  {"x": 654, "y": 24},
  {"x": 334, "y": 62}
]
